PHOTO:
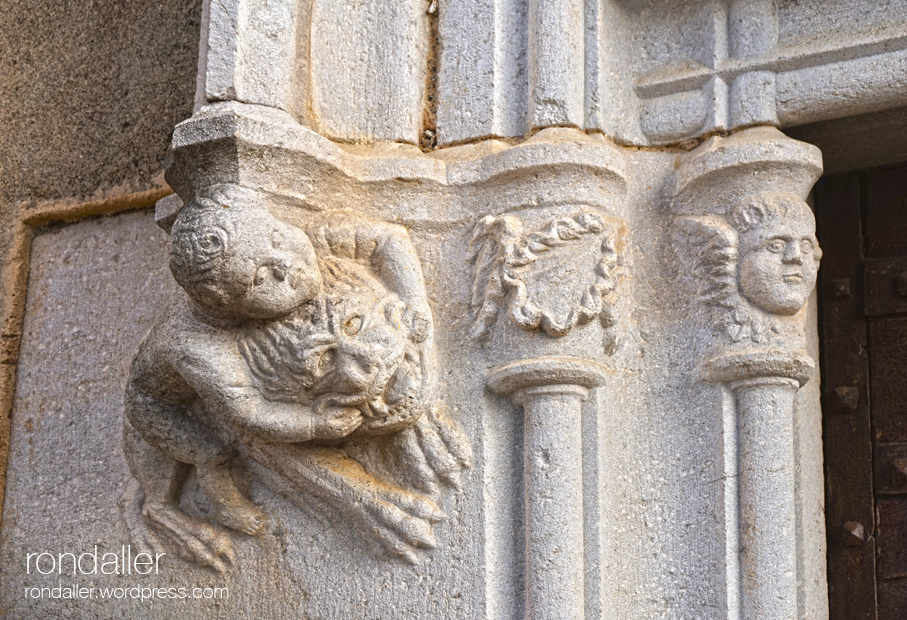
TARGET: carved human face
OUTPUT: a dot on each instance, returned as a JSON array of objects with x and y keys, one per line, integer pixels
[
  {"x": 271, "y": 268},
  {"x": 778, "y": 263}
]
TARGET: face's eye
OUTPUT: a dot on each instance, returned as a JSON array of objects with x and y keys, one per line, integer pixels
[
  {"x": 209, "y": 242},
  {"x": 352, "y": 325},
  {"x": 261, "y": 275},
  {"x": 276, "y": 240},
  {"x": 775, "y": 245},
  {"x": 806, "y": 246},
  {"x": 326, "y": 360}
]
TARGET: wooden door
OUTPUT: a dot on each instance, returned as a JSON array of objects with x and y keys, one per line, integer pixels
[{"x": 862, "y": 221}]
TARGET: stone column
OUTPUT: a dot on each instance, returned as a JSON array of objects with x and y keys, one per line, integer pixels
[
  {"x": 753, "y": 250},
  {"x": 765, "y": 386},
  {"x": 545, "y": 337},
  {"x": 541, "y": 319},
  {"x": 551, "y": 391},
  {"x": 765, "y": 407},
  {"x": 556, "y": 62}
]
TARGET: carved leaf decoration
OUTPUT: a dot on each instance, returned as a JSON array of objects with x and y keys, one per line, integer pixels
[
  {"x": 503, "y": 257},
  {"x": 491, "y": 242}
]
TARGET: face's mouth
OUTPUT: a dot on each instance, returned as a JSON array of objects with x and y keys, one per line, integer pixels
[
  {"x": 344, "y": 400},
  {"x": 793, "y": 278}
]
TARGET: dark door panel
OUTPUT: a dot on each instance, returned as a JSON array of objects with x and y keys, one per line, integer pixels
[
  {"x": 862, "y": 219},
  {"x": 847, "y": 428},
  {"x": 893, "y": 599},
  {"x": 886, "y": 202},
  {"x": 892, "y": 537},
  {"x": 888, "y": 374}
]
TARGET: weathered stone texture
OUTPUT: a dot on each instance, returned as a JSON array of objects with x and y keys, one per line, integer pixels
[
  {"x": 94, "y": 292},
  {"x": 66, "y": 410},
  {"x": 14, "y": 241},
  {"x": 90, "y": 92},
  {"x": 622, "y": 333}
]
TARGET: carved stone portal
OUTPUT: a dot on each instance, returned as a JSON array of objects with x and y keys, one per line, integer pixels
[{"x": 307, "y": 351}]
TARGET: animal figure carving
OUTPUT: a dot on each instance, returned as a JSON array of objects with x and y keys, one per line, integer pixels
[
  {"x": 296, "y": 349},
  {"x": 348, "y": 348}
]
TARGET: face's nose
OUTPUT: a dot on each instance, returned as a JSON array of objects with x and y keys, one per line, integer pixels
[
  {"x": 280, "y": 270},
  {"x": 351, "y": 379},
  {"x": 792, "y": 253},
  {"x": 356, "y": 369}
]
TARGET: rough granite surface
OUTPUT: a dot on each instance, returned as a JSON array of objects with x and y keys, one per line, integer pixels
[{"x": 90, "y": 92}]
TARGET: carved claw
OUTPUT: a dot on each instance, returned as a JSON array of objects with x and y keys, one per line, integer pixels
[
  {"x": 407, "y": 502},
  {"x": 434, "y": 449},
  {"x": 395, "y": 546},
  {"x": 417, "y": 317},
  {"x": 245, "y": 521},
  {"x": 398, "y": 531},
  {"x": 399, "y": 519},
  {"x": 386, "y": 519},
  {"x": 130, "y": 505},
  {"x": 196, "y": 540},
  {"x": 413, "y": 453},
  {"x": 453, "y": 437},
  {"x": 437, "y": 453}
]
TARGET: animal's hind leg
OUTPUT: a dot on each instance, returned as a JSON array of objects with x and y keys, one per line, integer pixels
[
  {"x": 159, "y": 476},
  {"x": 232, "y": 508},
  {"x": 152, "y": 499}
]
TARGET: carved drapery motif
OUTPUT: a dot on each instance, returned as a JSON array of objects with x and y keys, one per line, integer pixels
[{"x": 505, "y": 260}]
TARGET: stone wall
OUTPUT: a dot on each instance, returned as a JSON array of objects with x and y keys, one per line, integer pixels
[
  {"x": 89, "y": 95},
  {"x": 477, "y": 309}
]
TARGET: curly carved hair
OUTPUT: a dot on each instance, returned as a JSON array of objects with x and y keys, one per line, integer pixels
[
  {"x": 763, "y": 208},
  {"x": 201, "y": 238}
]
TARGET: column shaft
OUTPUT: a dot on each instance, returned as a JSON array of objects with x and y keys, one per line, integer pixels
[
  {"x": 554, "y": 502},
  {"x": 768, "y": 560},
  {"x": 556, "y": 62}
]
